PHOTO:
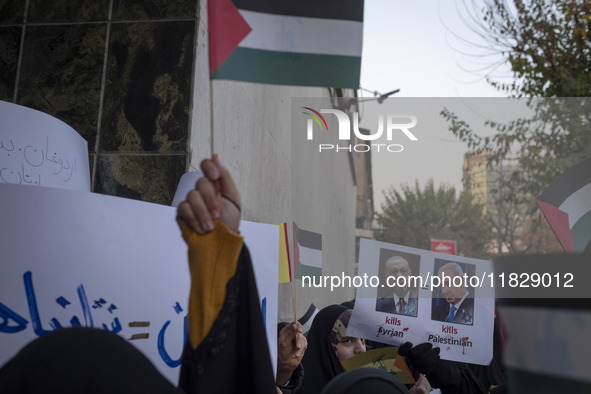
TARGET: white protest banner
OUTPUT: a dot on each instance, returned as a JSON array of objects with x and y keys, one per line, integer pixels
[
  {"x": 76, "y": 258},
  {"x": 408, "y": 294},
  {"x": 39, "y": 150}
]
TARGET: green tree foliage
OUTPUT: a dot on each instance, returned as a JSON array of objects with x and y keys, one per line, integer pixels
[
  {"x": 546, "y": 42},
  {"x": 551, "y": 137},
  {"x": 517, "y": 223},
  {"x": 413, "y": 216}
]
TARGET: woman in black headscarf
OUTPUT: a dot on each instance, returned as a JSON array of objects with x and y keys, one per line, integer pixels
[
  {"x": 328, "y": 345},
  {"x": 321, "y": 363}
]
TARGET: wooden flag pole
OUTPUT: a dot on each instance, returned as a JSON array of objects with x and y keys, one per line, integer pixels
[
  {"x": 295, "y": 303},
  {"x": 211, "y": 123},
  {"x": 209, "y": 72},
  {"x": 293, "y": 287}
]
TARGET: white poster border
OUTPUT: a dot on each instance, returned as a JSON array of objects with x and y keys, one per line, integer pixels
[{"x": 470, "y": 343}]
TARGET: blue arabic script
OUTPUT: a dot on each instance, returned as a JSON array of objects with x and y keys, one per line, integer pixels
[{"x": 11, "y": 322}]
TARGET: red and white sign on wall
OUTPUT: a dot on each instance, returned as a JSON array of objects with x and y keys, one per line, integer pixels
[{"x": 443, "y": 246}]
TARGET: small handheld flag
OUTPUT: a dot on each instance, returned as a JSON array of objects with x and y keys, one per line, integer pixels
[{"x": 284, "y": 42}]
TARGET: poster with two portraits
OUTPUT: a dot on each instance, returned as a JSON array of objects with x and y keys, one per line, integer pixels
[{"x": 417, "y": 296}]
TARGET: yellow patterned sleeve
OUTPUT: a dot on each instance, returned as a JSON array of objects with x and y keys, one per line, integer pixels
[{"x": 213, "y": 259}]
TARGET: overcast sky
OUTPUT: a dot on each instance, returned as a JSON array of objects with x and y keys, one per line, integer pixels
[{"x": 410, "y": 45}]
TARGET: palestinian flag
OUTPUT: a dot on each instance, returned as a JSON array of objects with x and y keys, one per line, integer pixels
[
  {"x": 566, "y": 204},
  {"x": 286, "y": 42},
  {"x": 307, "y": 252},
  {"x": 308, "y": 318}
]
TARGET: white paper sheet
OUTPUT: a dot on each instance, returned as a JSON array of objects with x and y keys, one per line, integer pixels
[
  {"x": 467, "y": 341},
  {"x": 39, "y": 150},
  {"x": 72, "y": 257}
]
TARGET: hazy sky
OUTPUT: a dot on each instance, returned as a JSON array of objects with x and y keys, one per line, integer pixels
[{"x": 410, "y": 45}]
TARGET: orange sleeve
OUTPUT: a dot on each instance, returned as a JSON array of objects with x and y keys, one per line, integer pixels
[{"x": 213, "y": 259}]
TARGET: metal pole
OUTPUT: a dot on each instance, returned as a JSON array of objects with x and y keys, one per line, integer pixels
[{"x": 500, "y": 206}]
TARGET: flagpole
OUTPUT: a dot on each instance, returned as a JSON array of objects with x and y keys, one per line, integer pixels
[
  {"x": 209, "y": 72},
  {"x": 292, "y": 264},
  {"x": 211, "y": 123},
  {"x": 293, "y": 287}
]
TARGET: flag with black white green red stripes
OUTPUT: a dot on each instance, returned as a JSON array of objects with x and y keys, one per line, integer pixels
[
  {"x": 286, "y": 42},
  {"x": 307, "y": 253},
  {"x": 566, "y": 204}
]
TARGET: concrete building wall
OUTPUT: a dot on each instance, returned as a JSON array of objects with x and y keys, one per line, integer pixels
[{"x": 252, "y": 135}]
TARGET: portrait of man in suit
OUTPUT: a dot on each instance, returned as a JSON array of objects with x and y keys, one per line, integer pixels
[
  {"x": 456, "y": 304},
  {"x": 404, "y": 300}
]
